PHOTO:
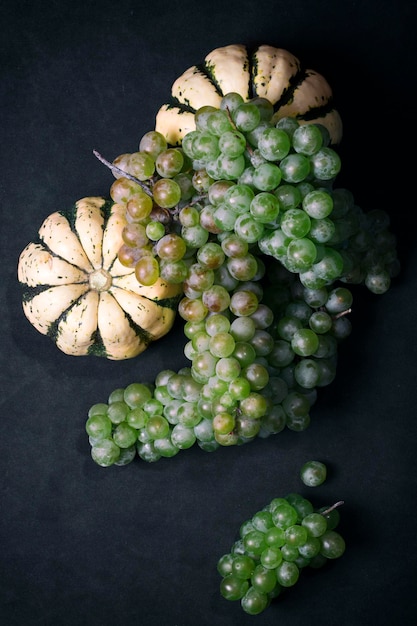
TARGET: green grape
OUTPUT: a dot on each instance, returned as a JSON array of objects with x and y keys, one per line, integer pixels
[
  {"x": 136, "y": 418},
  {"x": 313, "y": 473},
  {"x": 174, "y": 272},
  {"x": 205, "y": 146},
  {"x": 296, "y": 405},
  {"x": 307, "y": 139},
  {"x": 166, "y": 193},
  {"x": 287, "y": 573},
  {"x": 263, "y": 579},
  {"x": 284, "y": 515},
  {"x": 300, "y": 504},
  {"x": 289, "y": 124},
  {"x": 134, "y": 234},
  {"x": 171, "y": 247},
  {"x": 265, "y": 107},
  {"x": 332, "y": 544},
  {"x": 274, "y": 144},
  {"x": 265, "y": 207},
  {"x": 295, "y": 223},
  {"x": 224, "y": 218},
  {"x": 230, "y": 101},
  {"x": 216, "y": 298},
  {"x": 239, "y": 388},
  {"x": 183, "y": 437},
  {"x": 211, "y": 255},
  {"x": 233, "y": 588},
  {"x": 124, "y": 435},
  {"x": 227, "y": 368},
  {"x": 228, "y": 167},
  {"x": 204, "y": 366},
  {"x": 295, "y": 168},
  {"x": 147, "y": 270},
  {"x": 243, "y": 566},
  {"x": 123, "y": 189},
  {"x": 267, "y": 176},
  {"x": 202, "y": 115},
  {"x": 330, "y": 266},
  {"x": 232, "y": 143},
  {"x": 153, "y": 143},
  {"x": 321, "y": 230},
  {"x": 139, "y": 206},
  {"x": 218, "y": 123},
  {"x": 225, "y": 564},
  {"x": 304, "y": 342},
  {"x": 126, "y": 456},
  {"x": 117, "y": 411},
  {"x": 318, "y": 204},
  {"x": 105, "y": 452},
  {"x": 248, "y": 228},
  {"x": 169, "y": 162},
  {"x": 378, "y": 281},
  {"x": 242, "y": 268},
  {"x": 243, "y": 303},
  {"x": 165, "y": 447},
  {"x": 222, "y": 344},
  {"x": 155, "y": 230},
  {"x": 246, "y": 116},
  {"x": 310, "y": 549},
  {"x": 339, "y": 300},
  {"x": 296, "y": 535},
  {"x": 289, "y": 553},
  {"x": 301, "y": 252},
  {"x": 99, "y": 427},
  {"x": 325, "y": 164},
  {"x": 216, "y": 323},
  {"x": 157, "y": 427},
  {"x": 315, "y": 524},
  {"x": 148, "y": 452},
  {"x": 271, "y": 557},
  {"x": 254, "y": 601},
  {"x": 141, "y": 165},
  {"x": 289, "y": 196},
  {"x": 238, "y": 198}
]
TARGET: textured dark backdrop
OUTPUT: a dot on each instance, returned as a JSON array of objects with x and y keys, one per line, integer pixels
[{"x": 139, "y": 544}]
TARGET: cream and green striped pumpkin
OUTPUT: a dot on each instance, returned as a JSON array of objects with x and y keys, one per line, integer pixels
[
  {"x": 266, "y": 72},
  {"x": 76, "y": 291}
]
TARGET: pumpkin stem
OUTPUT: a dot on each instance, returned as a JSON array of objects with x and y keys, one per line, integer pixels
[
  {"x": 114, "y": 168},
  {"x": 100, "y": 280}
]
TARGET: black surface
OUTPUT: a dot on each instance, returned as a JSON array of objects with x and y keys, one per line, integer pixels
[{"x": 139, "y": 544}]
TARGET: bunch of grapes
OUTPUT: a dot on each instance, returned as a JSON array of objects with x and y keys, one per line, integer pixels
[
  {"x": 273, "y": 548},
  {"x": 246, "y": 217}
]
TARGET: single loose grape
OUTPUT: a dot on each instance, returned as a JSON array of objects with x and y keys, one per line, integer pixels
[{"x": 313, "y": 473}]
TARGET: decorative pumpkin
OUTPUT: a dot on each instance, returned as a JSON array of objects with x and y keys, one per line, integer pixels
[
  {"x": 267, "y": 72},
  {"x": 77, "y": 291}
]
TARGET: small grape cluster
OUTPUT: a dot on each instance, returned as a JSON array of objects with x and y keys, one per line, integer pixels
[{"x": 274, "y": 546}]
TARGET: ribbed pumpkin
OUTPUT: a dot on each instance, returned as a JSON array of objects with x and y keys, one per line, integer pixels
[
  {"x": 267, "y": 72},
  {"x": 76, "y": 290}
]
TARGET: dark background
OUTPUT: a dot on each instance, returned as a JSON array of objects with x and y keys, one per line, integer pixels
[{"x": 139, "y": 544}]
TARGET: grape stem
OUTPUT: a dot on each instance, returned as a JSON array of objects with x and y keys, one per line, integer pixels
[
  {"x": 333, "y": 507},
  {"x": 114, "y": 168},
  {"x": 342, "y": 313}
]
